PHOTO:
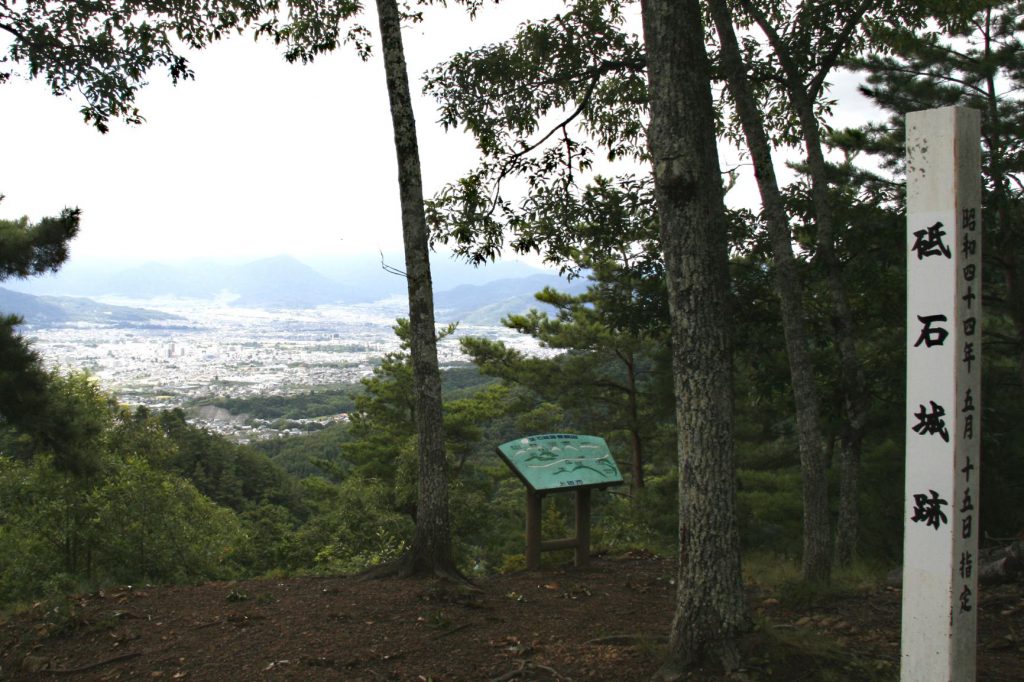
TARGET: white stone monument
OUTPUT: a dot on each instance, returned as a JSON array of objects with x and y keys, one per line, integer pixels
[{"x": 940, "y": 546}]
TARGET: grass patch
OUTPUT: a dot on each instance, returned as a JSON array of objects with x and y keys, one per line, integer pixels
[
  {"x": 801, "y": 654},
  {"x": 780, "y": 576},
  {"x": 769, "y": 571}
]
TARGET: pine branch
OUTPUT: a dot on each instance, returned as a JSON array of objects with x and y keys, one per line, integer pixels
[{"x": 829, "y": 61}]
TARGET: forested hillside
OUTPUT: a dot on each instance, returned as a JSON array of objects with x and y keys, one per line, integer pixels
[{"x": 149, "y": 498}]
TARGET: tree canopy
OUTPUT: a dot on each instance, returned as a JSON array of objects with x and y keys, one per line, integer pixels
[{"x": 105, "y": 51}]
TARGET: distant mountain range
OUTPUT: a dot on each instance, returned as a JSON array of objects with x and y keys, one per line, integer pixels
[
  {"x": 486, "y": 304},
  {"x": 281, "y": 282},
  {"x": 54, "y": 311},
  {"x": 273, "y": 282}
]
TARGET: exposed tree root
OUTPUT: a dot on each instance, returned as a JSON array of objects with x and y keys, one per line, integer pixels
[
  {"x": 669, "y": 672},
  {"x": 725, "y": 653},
  {"x": 405, "y": 566}
]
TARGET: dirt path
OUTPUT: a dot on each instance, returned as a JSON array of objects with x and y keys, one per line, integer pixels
[{"x": 607, "y": 622}]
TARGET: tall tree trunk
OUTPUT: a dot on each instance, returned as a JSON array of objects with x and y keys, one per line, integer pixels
[
  {"x": 432, "y": 547},
  {"x": 813, "y": 465},
  {"x": 636, "y": 447},
  {"x": 851, "y": 370},
  {"x": 848, "y": 518},
  {"x": 802, "y": 90},
  {"x": 709, "y": 612}
]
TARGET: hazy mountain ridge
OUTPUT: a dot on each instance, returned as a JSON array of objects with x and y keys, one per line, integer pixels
[
  {"x": 51, "y": 311},
  {"x": 280, "y": 281},
  {"x": 277, "y": 283},
  {"x": 267, "y": 283},
  {"x": 486, "y": 304}
]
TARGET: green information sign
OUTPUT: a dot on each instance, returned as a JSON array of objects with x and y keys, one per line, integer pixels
[{"x": 561, "y": 461}]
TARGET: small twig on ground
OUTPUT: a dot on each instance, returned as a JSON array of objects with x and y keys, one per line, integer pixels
[
  {"x": 624, "y": 640},
  {"x": 512, "y": 673},
  {"x": 207, "y": 625},
  {"x": 548, "y": 669},
  {"x": 452, "y": 631},
  {"x": 523, "y": 667},
  {"x": 97, "y": 664}
]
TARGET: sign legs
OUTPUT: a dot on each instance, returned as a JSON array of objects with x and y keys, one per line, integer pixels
[
  {"x": 533, "y": 501},
  {"x": 535, "y": 545},
  {"x": 582, "y": 527}
]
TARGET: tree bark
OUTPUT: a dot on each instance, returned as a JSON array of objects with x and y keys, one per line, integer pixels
[
  {"x": 431, "y": 547},
  {"x": 813, "y": 471},
  {"x": 851, "y": 370},
  {"x": 709, "y": 612},
  {"x": 636, "y": 447},
  {"x": 848, "y": 516}
]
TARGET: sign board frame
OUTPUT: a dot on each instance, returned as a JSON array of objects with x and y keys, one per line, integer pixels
[{"x": 556, "y": 463}]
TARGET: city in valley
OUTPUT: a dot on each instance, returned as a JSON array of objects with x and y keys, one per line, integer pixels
[{"x": 212, "y": 350}]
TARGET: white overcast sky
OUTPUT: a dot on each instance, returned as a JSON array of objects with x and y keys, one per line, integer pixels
[{"x": 254, "y": 158}]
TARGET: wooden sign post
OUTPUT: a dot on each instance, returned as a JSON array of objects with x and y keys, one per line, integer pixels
[
  {"x": 943, "y": 412},
  {"x": 559, "y": 462}
]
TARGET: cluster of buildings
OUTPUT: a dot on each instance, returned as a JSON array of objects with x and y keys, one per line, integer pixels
[
  {"x": 234, "y": 353},
  {"x": 243, "y": 428}
]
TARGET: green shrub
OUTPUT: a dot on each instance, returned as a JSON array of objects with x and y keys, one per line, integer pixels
[
  {"x": 770, "y": 511},
  {"x": 155, "y": 526},
  {"x": 355, "y": 527}
]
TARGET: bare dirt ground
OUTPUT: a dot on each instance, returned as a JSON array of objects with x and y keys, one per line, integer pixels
[{"x": 605, "y": 622}]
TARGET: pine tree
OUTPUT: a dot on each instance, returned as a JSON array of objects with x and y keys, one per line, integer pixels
[
  {"x": 26, "y": 399},
  {"x": 609, "y": 334},
  {"x": 973, "y": 59}
]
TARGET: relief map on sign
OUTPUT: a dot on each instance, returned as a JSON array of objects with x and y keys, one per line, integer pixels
[{"x": 559, "y": 461}]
